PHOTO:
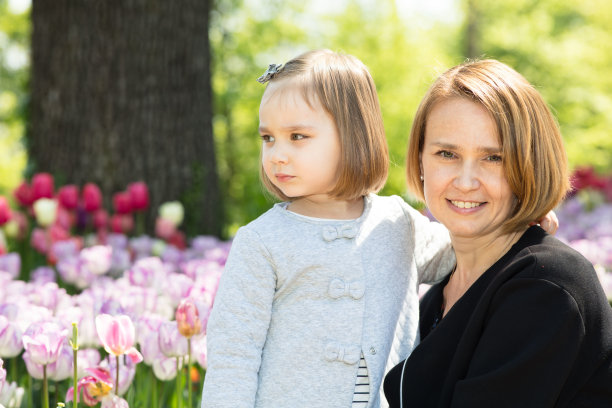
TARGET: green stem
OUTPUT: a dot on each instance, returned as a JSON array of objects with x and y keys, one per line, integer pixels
[
  {"x": 117, "y": 377},
  {"x": 14, "y": 370},
  {"x": 30, "y": 398},
  {"x": 75, "y": 391},
  {"x": 45, "y": 388},
  {"x": 154, "y": 391},
  {"x": 178, "y": 383},
  {"x": 189, "y": 372}
]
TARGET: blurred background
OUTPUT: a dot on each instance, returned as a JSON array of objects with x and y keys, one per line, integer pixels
[{"x": 118, "y": 91}]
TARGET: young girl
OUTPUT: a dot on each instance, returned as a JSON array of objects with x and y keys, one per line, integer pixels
[
  {"x": 316, "y": 289},
  {"x": 319, "y": 295}
]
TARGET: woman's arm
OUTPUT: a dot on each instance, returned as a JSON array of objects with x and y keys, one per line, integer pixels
[{"x": 238, "y": 325}]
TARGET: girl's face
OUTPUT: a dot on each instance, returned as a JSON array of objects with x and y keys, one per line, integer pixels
[
  {"x": 301, "y": 147},
  {"x": 464, "y": 181}
]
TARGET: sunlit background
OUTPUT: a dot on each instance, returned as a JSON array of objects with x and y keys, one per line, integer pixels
[{"x": 560, "y": 46}]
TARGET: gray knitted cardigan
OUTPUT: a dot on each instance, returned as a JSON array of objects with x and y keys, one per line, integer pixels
[{"x": 301, "y": 298}]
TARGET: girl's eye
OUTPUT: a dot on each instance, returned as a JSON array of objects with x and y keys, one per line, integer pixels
[
  {"x": 297, "y": 136},
  {"x": 494, "y": 158},
  {"x": 267, "y": 138}
]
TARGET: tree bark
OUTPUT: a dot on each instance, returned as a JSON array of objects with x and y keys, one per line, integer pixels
[{"x": 120, "y": 93}]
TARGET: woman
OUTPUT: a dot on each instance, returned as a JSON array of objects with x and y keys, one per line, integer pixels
[{"x": 522, "y": 320}]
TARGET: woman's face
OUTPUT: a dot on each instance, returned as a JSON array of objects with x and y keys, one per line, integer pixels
[{"x": 461, "y": 162}]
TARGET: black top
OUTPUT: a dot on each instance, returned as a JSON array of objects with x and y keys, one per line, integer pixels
[{"x": 535, "y": 330}]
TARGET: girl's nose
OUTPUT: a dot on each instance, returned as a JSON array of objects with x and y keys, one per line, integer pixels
[{"x": 277, "y": 154}]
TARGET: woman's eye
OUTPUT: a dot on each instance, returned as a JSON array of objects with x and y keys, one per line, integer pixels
[
  {"x": 297, "y": 136},
  {"x": 494, "y": 158},
  {"x": 445, "y": 154},
  {"x": 267, "y": 138}
]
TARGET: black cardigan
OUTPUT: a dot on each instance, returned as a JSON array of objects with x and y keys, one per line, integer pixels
[{"x": 535, "y": 330}]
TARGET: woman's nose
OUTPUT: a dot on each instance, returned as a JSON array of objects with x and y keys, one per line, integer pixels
[{"x": 468, "y": 177}]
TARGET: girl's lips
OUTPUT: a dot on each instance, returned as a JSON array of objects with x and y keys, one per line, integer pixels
[{"x": 283, "y": 177}]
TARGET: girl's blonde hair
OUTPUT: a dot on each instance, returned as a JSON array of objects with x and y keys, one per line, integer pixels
[
  {"x": 345, "y": 89},
  {"x": 534, "y": 159}
]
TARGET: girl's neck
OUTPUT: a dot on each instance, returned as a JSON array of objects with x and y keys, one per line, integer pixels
[{"x": 325, "y": 207}]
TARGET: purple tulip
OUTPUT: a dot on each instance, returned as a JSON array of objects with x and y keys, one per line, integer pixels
[
  {"x": 144, "y": 271},
  {"x": 171, "y": 342},
  {"x": 2, "y": 374},
  {"x": 43, "y": 341},
  {"x": 42, "y": 275},
  {"x": 165, "y": 368},
  {"x": 64, "y": 249},
  {"x": 141, "y": 246},
  {"x": 10, "y": 338},
  {"x": 96, "y": 259},
  {"x": 11, "y": 263}
]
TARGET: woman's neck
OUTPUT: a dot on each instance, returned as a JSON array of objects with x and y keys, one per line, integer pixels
[
  {"x": 322, "y": 207},
  {"x": 474, "y": 257}
]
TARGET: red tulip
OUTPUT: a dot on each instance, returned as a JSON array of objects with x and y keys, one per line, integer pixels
[
  {"x": 122, "y": 202},
  {"x": 23, "y": 194},
  {"x": 42, "y": 186},
  {"x": 122, "y": 223},
  {"x": 5, "y": 211},
  {"x": 100, "y": 219},
  {"x": 139, "y": 194},
  {"x": 92, "y": 197},
  {"x": 68, "y": 196},
  {"x": 178, "y": 240}
]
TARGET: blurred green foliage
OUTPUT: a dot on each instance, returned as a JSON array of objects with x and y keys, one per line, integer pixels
[
  {"x": 562, "y": 47},
  {"x": 14, "y": 42}
]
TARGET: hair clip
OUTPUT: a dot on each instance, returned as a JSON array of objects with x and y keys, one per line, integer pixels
[{"x": 272, "y": 70}]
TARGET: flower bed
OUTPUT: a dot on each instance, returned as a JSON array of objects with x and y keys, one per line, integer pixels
[{"x": 79, "y": 285}]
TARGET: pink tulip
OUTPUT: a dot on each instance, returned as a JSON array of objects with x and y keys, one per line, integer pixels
[
  {"x": 43, "y": 341},
  {"x": 65, "y": 218},
  {"x": 39, "y": 240},
  {"x": 68, "y": 196},
  {"x": 92, "y": 197},
  {"x": 139, "y": 194},
  {"x": 23, "y": 194},
  {"x": 188, "y": 318},
  {"x": 10, "y": 338},
  {"x": 117, "y": 335},
  {"x": 42, "y": 186},
  {"x": 5, "y": 211},
  {"x": 94, "y": 387},
  {"x": 164, "y": 228}
]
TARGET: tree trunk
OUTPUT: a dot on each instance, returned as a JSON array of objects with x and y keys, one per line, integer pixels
[
  {"x": 472, "y": 34},
  {"x": 120, "y": 93}
]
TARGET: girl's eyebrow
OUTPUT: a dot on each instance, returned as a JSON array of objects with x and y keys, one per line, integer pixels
[
  {"x": 292, "y": 128},
  {"x": 481, "y": 149}
]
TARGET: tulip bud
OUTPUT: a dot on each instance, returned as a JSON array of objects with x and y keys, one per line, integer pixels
[
  {"x": 139, "y": 194},
  {"x": 23, "y": 194},
  {"x": 188, "y": 318},
  {"x": 122, "y": 202},
  {"x": 92, "y": 197},
  {"x": 122, "y": 223},
  {"x": 5, "y": 211},
  {"x": 42, "y": 186},
  {"x": 68, "y": 196},
  {"x": 45, "y": 211},
  {"x": 100, "y": 219},
  {"x": 172, "y": 211}
]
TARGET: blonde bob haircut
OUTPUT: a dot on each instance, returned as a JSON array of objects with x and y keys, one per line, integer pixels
[
  {"x": 534, "y": 159},
  {"x": 342, "y": 85}
]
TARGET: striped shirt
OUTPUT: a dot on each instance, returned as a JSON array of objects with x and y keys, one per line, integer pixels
[{"x": 361, "y": 395}]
